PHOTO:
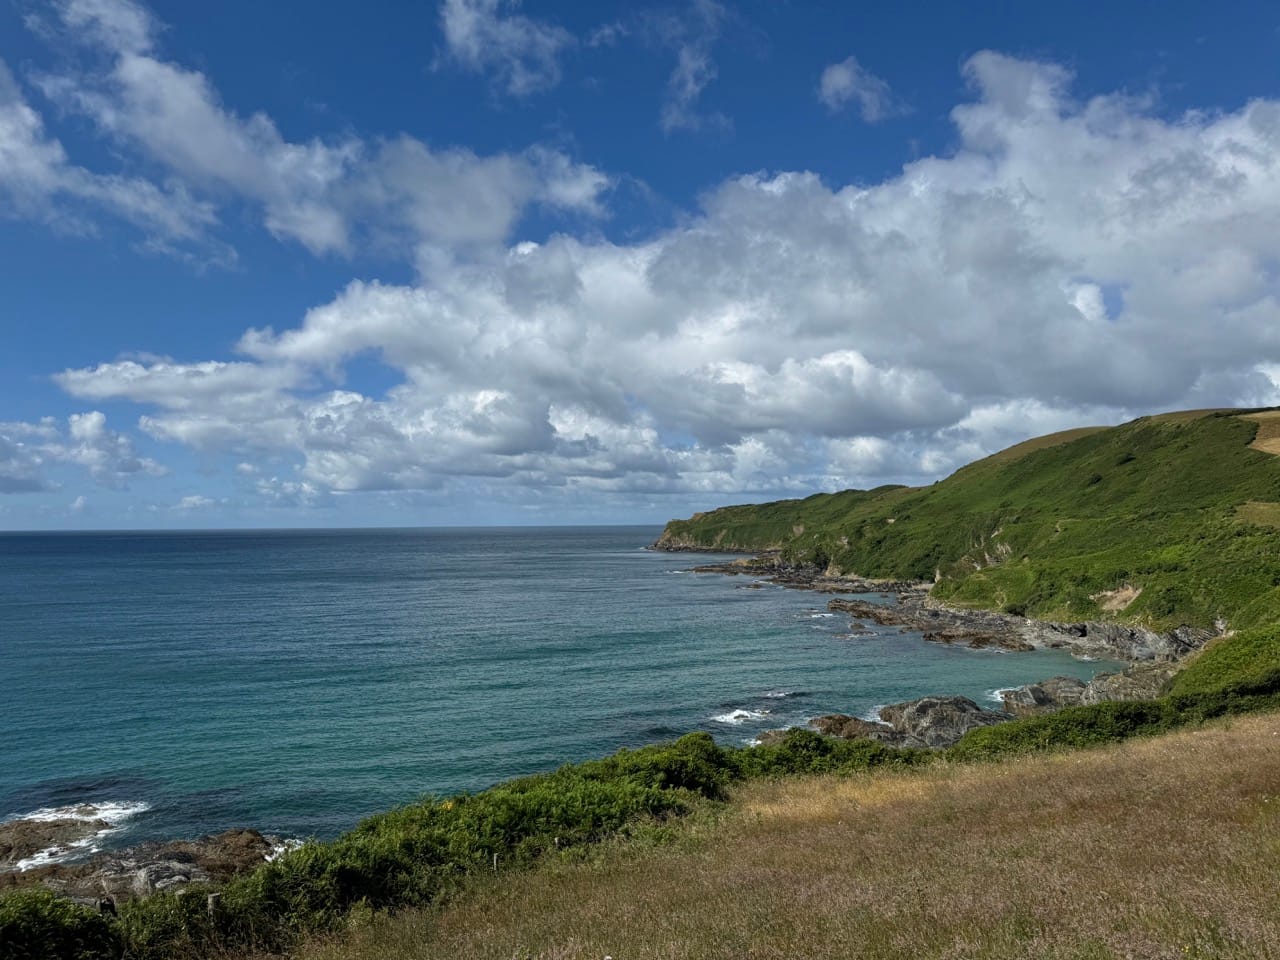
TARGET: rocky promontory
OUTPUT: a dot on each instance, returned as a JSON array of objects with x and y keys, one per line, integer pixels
[
  {"x": 928, "y": 722},
  {"x": 129, "y": 872}
]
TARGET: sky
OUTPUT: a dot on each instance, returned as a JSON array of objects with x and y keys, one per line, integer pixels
[{"x": 481, "y": 262}]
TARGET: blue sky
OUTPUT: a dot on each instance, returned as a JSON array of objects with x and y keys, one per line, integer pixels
[{"x": 486, "y": 262}]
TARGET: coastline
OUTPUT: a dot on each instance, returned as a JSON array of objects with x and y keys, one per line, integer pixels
[
  {"x": 156, "y": 865},
  {"x": 938, "y": 721}
]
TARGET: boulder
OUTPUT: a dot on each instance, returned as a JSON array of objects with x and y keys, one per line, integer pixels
[
  {"x": 1142, "y": 681},
  {"x": 938, "y": 721},
  {"x": 1032, "y": 699},
  {"x": 854, "y": 728}
]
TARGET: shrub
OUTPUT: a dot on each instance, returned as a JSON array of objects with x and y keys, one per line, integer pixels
[{"x": 36, "y": 924}]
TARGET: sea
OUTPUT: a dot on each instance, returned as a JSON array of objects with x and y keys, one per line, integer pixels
[{"x": 297, "y": 681}]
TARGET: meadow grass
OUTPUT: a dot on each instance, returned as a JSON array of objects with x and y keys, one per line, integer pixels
[{"x": 1160, "y": 847}]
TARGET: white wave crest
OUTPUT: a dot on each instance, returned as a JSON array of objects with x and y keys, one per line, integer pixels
[
  {"x": 736, "y": 717},
  {"x": 283, "y": 847},
  {"x": 111, "y": 812}
]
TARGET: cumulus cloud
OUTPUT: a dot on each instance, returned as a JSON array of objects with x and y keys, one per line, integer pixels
[
  {"x": 325, "y": 194},
  {"x": 29, "y": 451},
  {"x": 849, "y": 82},
  {"x": 521, "y": 53},
  {"x": 38, "y": 181},
  {"x": 1069, "y": 262}
]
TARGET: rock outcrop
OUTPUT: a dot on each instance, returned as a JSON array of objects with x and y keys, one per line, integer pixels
[
  {"x": 148, "y": 867},
  {"x": 23, "y": 839},
  {"x": 1140, "y": 681},
  {"x": 929, "y": 722},
  {"x": 1046, "y": 696},
  {"x": 939, "y": 721},
  {"x": 914, "y": 610}
]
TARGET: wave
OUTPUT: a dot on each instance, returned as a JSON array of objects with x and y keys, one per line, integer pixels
[
  {"x": 113, "y": 813},
  {"x": 783, "y": 694},
  {"x": 997, "y": 695},
  {"x": 739, "y": 716},
  {"x": 873, "y": 715},
  {"x": 283, "y": 847}
]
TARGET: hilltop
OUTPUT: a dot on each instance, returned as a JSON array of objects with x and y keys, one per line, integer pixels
[{"x": 1163, "y": 521}]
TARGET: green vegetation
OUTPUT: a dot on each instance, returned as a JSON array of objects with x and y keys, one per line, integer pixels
[
  {"x": 420, "y": 853},
  {"x": 36, "y": 924},
  {"x": 1181, "y": 508},
  {"x": 1166, "y": 520}
]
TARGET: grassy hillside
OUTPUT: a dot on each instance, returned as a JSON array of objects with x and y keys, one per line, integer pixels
[
  {"x": 1164, "y": 520},
  {"x": 1154, "y": 848}
]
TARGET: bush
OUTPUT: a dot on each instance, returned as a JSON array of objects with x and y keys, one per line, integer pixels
[
  {"x": 806, "y": 752},
  {"x": 36, "y": 924}
]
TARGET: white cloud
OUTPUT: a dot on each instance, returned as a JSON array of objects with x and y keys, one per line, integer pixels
[
  {"x": 1069, "y": 262},
  {"x": 29, "y": 451},
  {"x": 327, "y": 194},
  {"x": 849, "y": 82},
  {"x": 522, "y": 53},
  {"x": 38, "y": 181},
  {"x": 692, "y": 36}
]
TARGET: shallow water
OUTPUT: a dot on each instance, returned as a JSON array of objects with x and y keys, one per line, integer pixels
[{"x": 297, "y": 681}]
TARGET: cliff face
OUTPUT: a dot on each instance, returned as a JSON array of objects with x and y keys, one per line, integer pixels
[{"x": 1157, "y": 523}]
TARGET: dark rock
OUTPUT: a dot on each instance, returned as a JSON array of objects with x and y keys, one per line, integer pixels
[
  {"x": 148, "y": 867},
  {"x": 1141, "y": 681},
  {"x": 853, "y": 728},
  {"x": 20, "y": 839},
  {"x": 1046, "y": 696},
  {"x": 939, "y": 721}
]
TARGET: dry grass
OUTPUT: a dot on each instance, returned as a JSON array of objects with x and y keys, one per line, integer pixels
[
  {"x": 1113, "y": 601},
  {"x": 1260, "y": 513},
  {"x": 1020, "y": 450},
  {"x": 1158, "y": 848},
  {"x": 1185, "y": 416},
  {"x": 1268, "y": 437}
]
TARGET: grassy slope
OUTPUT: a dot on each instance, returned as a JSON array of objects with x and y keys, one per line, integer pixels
[
  {"x": 1179, "y": 506},
  {"x": 1153, "y": 848}
]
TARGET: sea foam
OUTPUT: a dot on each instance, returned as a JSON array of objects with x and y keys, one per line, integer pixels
[
  {"x": 111, "y": 812},
  {"x": 736, "y": 717}
]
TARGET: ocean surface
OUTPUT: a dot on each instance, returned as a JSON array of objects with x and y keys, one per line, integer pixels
[{"x": 298, "y": 681}]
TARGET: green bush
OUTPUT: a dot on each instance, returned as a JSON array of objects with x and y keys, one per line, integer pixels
[
  {"x": 805, "y": 752},
  {"x": 1246, "y": 660},
  {"x": 36, "y": 924}
]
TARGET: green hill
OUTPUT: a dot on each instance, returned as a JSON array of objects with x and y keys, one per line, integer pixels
[{"x": 1163, "y": 521}]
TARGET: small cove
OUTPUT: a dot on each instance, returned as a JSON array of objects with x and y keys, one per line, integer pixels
[{"x": 298, "y": 681}]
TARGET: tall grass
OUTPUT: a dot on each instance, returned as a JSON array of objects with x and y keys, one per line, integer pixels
[{"x": 1157, "y": 848}]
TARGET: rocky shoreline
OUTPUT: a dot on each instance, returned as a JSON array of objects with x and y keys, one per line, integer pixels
[
  {"x": 940, "y": 721},
  {"x": 107, "y": 877},
  {"x": 930, "y": 722}
]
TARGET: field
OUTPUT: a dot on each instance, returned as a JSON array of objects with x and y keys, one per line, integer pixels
[{"x": 1153, "y": 848}]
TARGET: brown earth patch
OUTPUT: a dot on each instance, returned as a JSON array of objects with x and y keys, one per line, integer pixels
[{"x": 1268, "y": 436}]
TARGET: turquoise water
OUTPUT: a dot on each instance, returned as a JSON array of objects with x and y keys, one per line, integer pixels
[{"x": 297, "y": 681}]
